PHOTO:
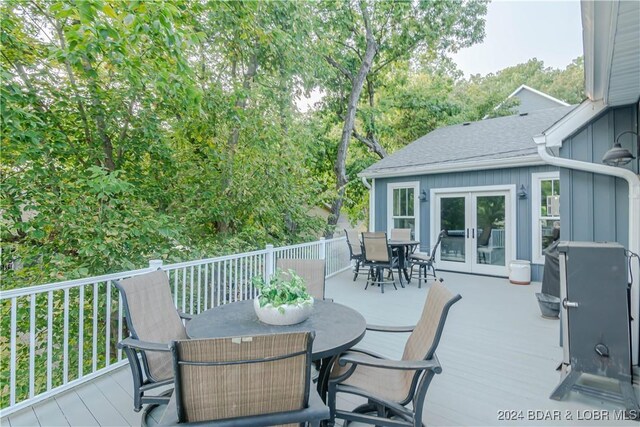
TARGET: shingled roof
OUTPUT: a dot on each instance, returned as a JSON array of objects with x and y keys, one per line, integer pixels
[{"x": 483, "y": 144}]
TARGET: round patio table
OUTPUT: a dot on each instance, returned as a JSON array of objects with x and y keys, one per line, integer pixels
[{"x": 337, "y": 327}]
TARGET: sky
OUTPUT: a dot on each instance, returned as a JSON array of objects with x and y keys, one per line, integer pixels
[{"x": 518, "y": 30}]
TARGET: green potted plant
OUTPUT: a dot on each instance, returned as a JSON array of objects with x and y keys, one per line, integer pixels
[{"x": 283, "y": 300}]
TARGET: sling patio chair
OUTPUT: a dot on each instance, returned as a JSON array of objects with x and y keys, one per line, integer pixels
[
  {"x": 425, "y": 261},
  {"x": 390, "y": 385},
  {"x": 355, "y": 253},
  {"x": 153, "y": 322},
  {"x": 378, "y": 257},
  {"x": 400, "y": 234},
  {"x": 242, "y": 381},
  {"x": 311, "y": 270}
]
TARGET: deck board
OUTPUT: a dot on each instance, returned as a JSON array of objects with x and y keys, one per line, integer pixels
[
  {"x": 74, "y": 408},
  {"x": 102, "y": 409},
  {"x": 497, "y": 353},
  {"x": 24, "y": 418},
  {"x": 118, "y": 397},
  {"x": 50, "y": 414}
]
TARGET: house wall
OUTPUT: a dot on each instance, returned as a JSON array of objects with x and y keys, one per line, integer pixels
[
  {"x": 530, "y": 101},
  {"x": 595, "y": 207},
  {"x": 517, "y": 176}
]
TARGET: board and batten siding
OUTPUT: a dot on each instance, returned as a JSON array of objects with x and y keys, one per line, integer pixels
[
  {"x": 509, "y": 176},
  {"x": 595, "y": 207}
]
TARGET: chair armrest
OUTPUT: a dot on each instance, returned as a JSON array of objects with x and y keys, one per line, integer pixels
[
  {"x": 185, "y": 316},
  {"x": 143, "y": 345},
  {"x": 367, "y": 352},
  {"x": 381, "y": 328},
  {"x": 406, "y": 365}
]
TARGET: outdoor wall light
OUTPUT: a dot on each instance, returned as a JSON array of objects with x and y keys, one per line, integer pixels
[
  {"x": 618, "y": 156},
  {"x": 522, "y": 193},
  {"x": 423, "y": 196}
]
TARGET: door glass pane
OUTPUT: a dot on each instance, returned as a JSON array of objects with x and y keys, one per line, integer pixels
[
  {"x": 452, "y": 210},
  {"x": 490, "y": 213}
]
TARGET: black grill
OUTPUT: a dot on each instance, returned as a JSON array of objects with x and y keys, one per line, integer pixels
[{"x": 594, "y": 295}]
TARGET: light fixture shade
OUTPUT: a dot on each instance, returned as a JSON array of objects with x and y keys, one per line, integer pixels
[{"x": 617, "y": 156}]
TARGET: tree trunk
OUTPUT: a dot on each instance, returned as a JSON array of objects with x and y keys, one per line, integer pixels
[
  {"x": 222, "y": 226},
  {"x": 349, "y": 121}
]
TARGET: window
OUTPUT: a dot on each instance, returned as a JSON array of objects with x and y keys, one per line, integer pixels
[
  {"x": 403, "y": 206},
  {"x": 545, "y": 211}
]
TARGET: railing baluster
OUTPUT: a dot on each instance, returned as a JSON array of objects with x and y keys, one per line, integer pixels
[
  {"x": 175, "y": 287},
  {"x": 206, "y": 286},
  {"x": 32, "y": 345},
  {"x": 49, "y": 338},
  {"x": 191, "y": 290},
  {"x": 218, "y": 282},
  {"x": 184, "y": 289},
  {"x": 94, "y": 349},
  {"x": 107, "y": 345},
  {"x": 199, "y": 286},
  {"x": 12, "y": 352},
  {"x": 65, "y": 339},
  {"x": 81, "y": 332},
  {"x": 120, "y": 326}
]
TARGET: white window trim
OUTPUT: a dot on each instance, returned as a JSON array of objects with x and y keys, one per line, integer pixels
[
  {"x": 536, "y": 178},
  {"x": 416, "y": 204}
]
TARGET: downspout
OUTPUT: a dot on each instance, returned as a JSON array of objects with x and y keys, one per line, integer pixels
[
  {"x": 634, "y": 220},
  {"x": 372, "y": 201}
]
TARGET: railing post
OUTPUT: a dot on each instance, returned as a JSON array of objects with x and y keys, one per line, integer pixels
[
  {"x": 323, "y": 248},
  {"x": 155, "y": 264},
  {"x": 269, "y": 263}
]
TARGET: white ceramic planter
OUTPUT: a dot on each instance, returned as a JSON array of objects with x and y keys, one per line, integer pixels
[{"x": 292, "y": 313}]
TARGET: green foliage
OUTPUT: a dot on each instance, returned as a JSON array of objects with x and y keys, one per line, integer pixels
[
  {"x": 135, "y": 130},
  {"x": 283, "y": 288}
]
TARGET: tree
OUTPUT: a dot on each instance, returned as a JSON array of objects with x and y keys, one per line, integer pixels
[{"x": 361, "y": 39}]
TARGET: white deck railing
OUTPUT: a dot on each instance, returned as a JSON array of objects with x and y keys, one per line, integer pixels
[{"x": 58, "y": 335}]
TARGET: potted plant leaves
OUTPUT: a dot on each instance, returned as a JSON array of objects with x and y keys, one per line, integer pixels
[{"x": 283, "y": 300}]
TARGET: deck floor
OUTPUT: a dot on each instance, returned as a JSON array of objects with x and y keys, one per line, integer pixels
[{"x": 497, "y": 352}]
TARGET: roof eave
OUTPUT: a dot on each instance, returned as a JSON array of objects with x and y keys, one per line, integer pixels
[
  {"x": 598, "y": 18},
  {"x": 528, "y": 160},
  {"x": 570, "y": 123}
]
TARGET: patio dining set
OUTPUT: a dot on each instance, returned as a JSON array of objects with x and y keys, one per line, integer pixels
[
  {"x": 379, "y": 254},
  {"x": 224, "y": 367}
]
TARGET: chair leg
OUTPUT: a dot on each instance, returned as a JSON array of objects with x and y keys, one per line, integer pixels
[
  {"x": 355, "y": 275},
  {"x": 331, "y": 402}
]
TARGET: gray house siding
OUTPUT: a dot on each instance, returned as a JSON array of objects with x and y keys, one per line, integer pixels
[
  {"x": 530, "y": 101},
  {"x": 511, "y": 176},
  {"x": 595, "y": 207}
]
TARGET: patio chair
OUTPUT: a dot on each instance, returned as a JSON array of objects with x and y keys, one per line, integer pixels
[
  {"x": 378, "y": 257},
  {"x": 425, "y": 261},
  {"x": 311, "y": 270},
  {"x": 355, "y": 253},
  {"x": 488, "y": 243},
  {"x": 242, "y": 381},
  {"x": 400, "y": 234},
  {"x": 390, "y": 385},
  {"x": 153, "y": 323}
]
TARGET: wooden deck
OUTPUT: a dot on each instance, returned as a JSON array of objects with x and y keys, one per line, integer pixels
[{"x": 498, "y": 354}]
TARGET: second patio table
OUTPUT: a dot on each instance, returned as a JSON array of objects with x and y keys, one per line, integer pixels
[
  {"x": 405, "y": 247},
  {"x": 337, "y": 327}
]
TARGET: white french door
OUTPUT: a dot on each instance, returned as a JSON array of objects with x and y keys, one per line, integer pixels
[{"x": 480, "y": 229}]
